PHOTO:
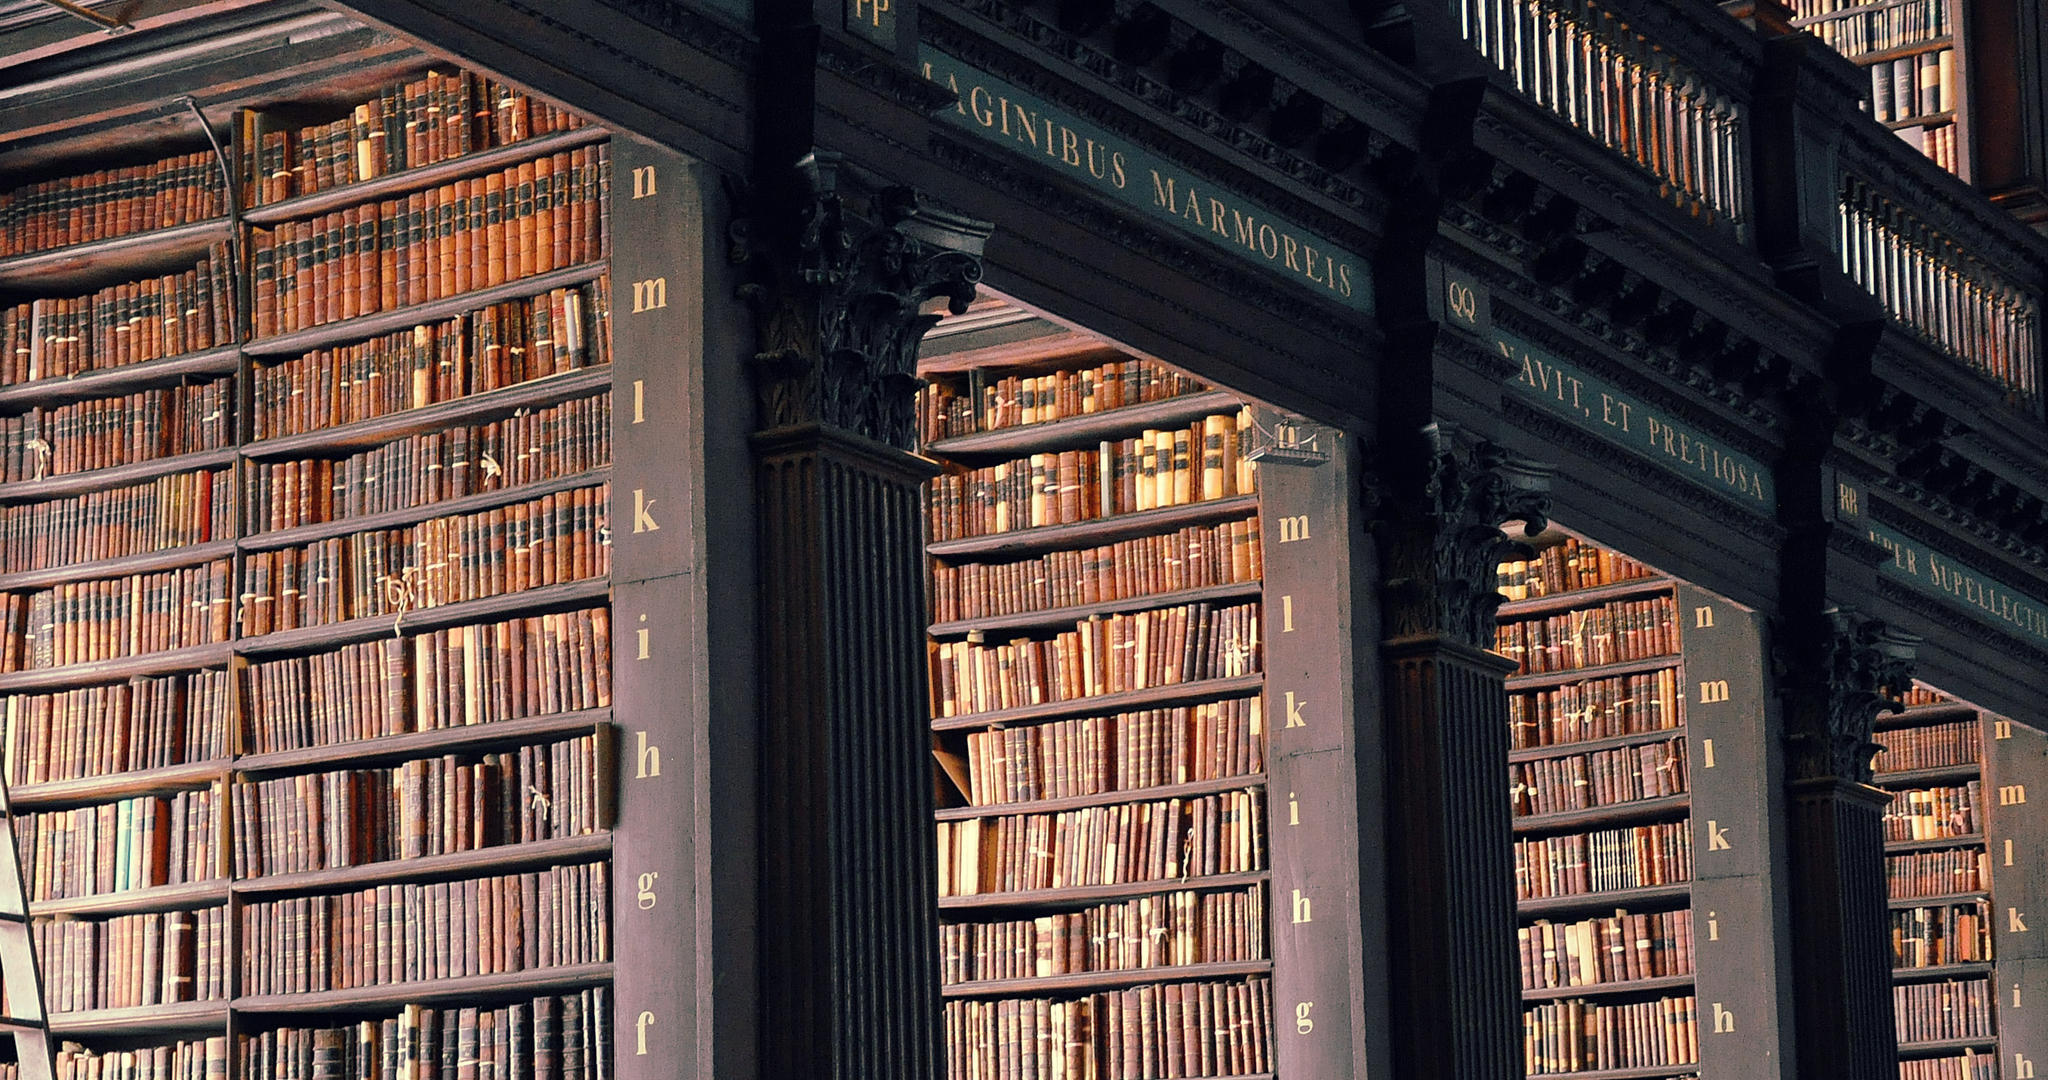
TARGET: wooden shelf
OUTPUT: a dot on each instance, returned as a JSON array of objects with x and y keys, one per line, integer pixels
[
  {"x": 1966, "y": 840},
  {"x": 405, "y": 318},
  {"x": 1912, "y": 777},
  {"x": 107, "y": 382},
  {"x": 141, "y": 563},
  {"x": 1085, "y": 894},
  {"x": 419, "y": 620},
  {"x": 1105, "y": 704},
  {"x": 191, "y": 658},
  {"x": 1900, "y": 52},
  {"x": 1901, "y": 902},
  {"x": 1942, "y": 1046},
  {"x": 78, "y": 483},
  {"x": 1647, "y": 1072},
  {"x": 1087, "y": 429},
  {"x": 1584, "y": 674},
  {"x": 1941, "y": 971},
  {"x": 504, "y": 401},
  {"x": 1923, "y": 715},
  {"x": 386, "y": 749},
  {"x": 412, "y": 515},
  {"x": 1578, "y": 598},
  {"x": 1924, "y": 120},
  {"x": 142, "y": 1019},
  {"x": 407, "y": 181},
  {"x": 1107, "y": 798},
  {"x": 196, "y": 894},
  {"x": 1096, "y": 531},
  {"x": 58, "y": 270},
  {"x": 1577, "y": 903},
  {"x": 501, "y": 859},
  {"x": 1086, "y": 981},
  {"x": 1068, "y": 616},
  {"x": 466, "y": 988},
  {"x": 1587, "y": 746},
  {"x": 1657, "y": 809},
  {"x": 1611, "y": 989},
  {"x": 98, "y": 789}
]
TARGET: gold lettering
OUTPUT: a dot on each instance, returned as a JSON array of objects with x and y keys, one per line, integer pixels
[
  {"x": 1302, "y": 1024},
  {"x": 1162, "y": 191},
  {"x": 2022, "y": 1067},
  {"x": 643, "y": 181},
  {"x": 1724, "y": 1021},
  {"x": 977, "y": 100},
  {"x": 1717, "y": 837},
  {"x": 1703, "y": 616},
  {"x": 646, "y": 756},
  {"x": 2015, "y": 995},
  {"x": 642, "y": 634},
  {"x": 2008, "y": 851},
  {"x": 1294, "y": 810},
  {"x": 1462, "y": 302},
  {"x": 640, "y": 1025},
  {"x": 1289, "y": 246},
  {"x": 1116, "y": 169},
  {"x": 2001, "y": 729},
  {"x": 1707, "y": 750},
  {"x": 1293, "y": 528},
  {"x": 650, "y": 294},
  {"x": 1713, "y": 690},
  {"x": 1294, "y": 719},
  {"x": 644, "y": 894},
  {"x": 2012, "y": 794},
  {"x": 1287, "y": 614},
  {"x": 1713, "y": 926},
  {"x": 639, "y": 401},
  {"x": 2015, "y": 923},
  {"x": 1846, "y": 499},
  {"x": 643, "y": 522},
  {"x": 1302, "y": 908}
]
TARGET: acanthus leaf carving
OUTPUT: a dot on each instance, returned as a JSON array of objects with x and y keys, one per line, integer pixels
[{"x": 1837, "y": 672}]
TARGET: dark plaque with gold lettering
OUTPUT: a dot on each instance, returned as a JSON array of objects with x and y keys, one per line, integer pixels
[
  {"x": 2015, "y": 783},
  {"x": 1722, "y": 692},
  {"x": 1325, "y": 902}
]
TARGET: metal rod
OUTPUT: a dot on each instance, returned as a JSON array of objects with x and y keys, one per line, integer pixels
[{"x": 105, "y": 22}]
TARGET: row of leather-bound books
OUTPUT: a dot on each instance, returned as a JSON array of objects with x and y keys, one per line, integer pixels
[
  {"x": 1123, "y": 752},
  {"x": 1967, "y": 1065},
  {"x": 130, "y": 961},
  {"x": 1935, "y": 813},
  {"x": 112, "y": 618},
  {"x": 1566, "y": 567},
  {"x": 1202, "y": 462},
  {"x": 474, "y": 233},
  {"x": 1598, "y": 778},
  {"x": 105, "y": 203},
  {"x": 1942, "y": 1009},
  {"x": 550, "y": 1037},
  {"x": 127, "y": 429},
  {"x": 1163, "y": 1030},
  {"x": 1612, "y": 633},
  {"x": 1594, "y": 709},
  {"x": 1168, "y": 929},
  {"x": 128, "y": 323},
  {"x": 1956, "y": 742},
  {"x": 1944, "y": 934},
  {"x": 489, "y": 348},
  {"x": 435, "y": 117},
  {"x": 1575, "y": 864},
  {"x": 143, "y": 723},
  {"x": 193, "y": 1060},
  {"x": 1602, "y": 950},
  {"x": 1104, "y": 655},
  {"x": 167, "y": 512},
  {"x": 1014, "y": 400},
  {"x": 418, "y": 470},
  {"x": 1165, "y": 840},
  {"x": 1195, "y": 557},
  {"x": 416, "y": 932},
  {"x": 121, "y": 846},
  {"x": 1937, "y": 873},
  {"x": 422, "y": 807},
  {"x": 534, "y": 665},
  {"x": 1578, "y": 1036},
  {"x": 555, "y": 539}
]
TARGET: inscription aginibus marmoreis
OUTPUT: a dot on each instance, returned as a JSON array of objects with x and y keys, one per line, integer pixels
[
  {"x": 1622, "y": 419},
  {"x": 1939, "y": 575},
  {"x": 997, "y": 111}
]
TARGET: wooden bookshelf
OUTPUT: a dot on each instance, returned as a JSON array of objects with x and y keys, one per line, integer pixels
[
  {"x": 1098, "y": 531},
  {"x": 424, "y": 176},
  {"x": 1085, "y": 894},
  {"x": 1083, "y": 981},
  {"x": 1067, "y": 616},
  {"x": 115, "y": 258},
  {"x": 108, "y": 382},
  {"x": 1611, "y": 989},
  {"x": 405, "y": 318}
]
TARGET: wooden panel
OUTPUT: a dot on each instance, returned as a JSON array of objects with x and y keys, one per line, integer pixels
[{"x": 2016, "y": 808}]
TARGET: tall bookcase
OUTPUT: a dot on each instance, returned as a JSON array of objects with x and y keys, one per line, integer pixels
[
  {"x": 1638, "y": 785},
  {"x": 1135, "y": 821},
  {"x": 1918, "y": 73},
  {"x": 1958, "y": 837},
  {"x": 306, "y": 674}
]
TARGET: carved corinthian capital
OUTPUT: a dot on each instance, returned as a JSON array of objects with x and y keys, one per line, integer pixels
[
  {"x": 1837, "y": 673},
  {"x": 839, "y": 268},
  {"x": 1444, "y": 533}
]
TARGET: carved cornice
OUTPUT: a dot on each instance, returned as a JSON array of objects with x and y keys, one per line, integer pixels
[
  {"x": 702, "y": 33},
  {"x": 885, "y": 78},
  {"x": 838, "y": 268},
  {"x": 1836, "y": 673},
  {"x": 1954, "y": 620},
  {"x": 1444, "y": 542}
]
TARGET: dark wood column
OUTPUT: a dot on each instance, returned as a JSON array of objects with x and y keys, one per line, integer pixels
[
  {"x": 1457, "y": 1012},
  {"x": 1836, "y": 673},
  {"x": 840, "y": 268}
]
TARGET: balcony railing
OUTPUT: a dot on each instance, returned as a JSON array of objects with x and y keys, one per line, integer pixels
[
  {"x": 1945, "y": 283},
  {"x": 1597, "y": 71}
]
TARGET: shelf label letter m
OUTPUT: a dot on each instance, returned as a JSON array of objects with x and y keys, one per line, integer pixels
[
  {"x": 1293, "y": 528},
  {"x": 649, "y": 294}
]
